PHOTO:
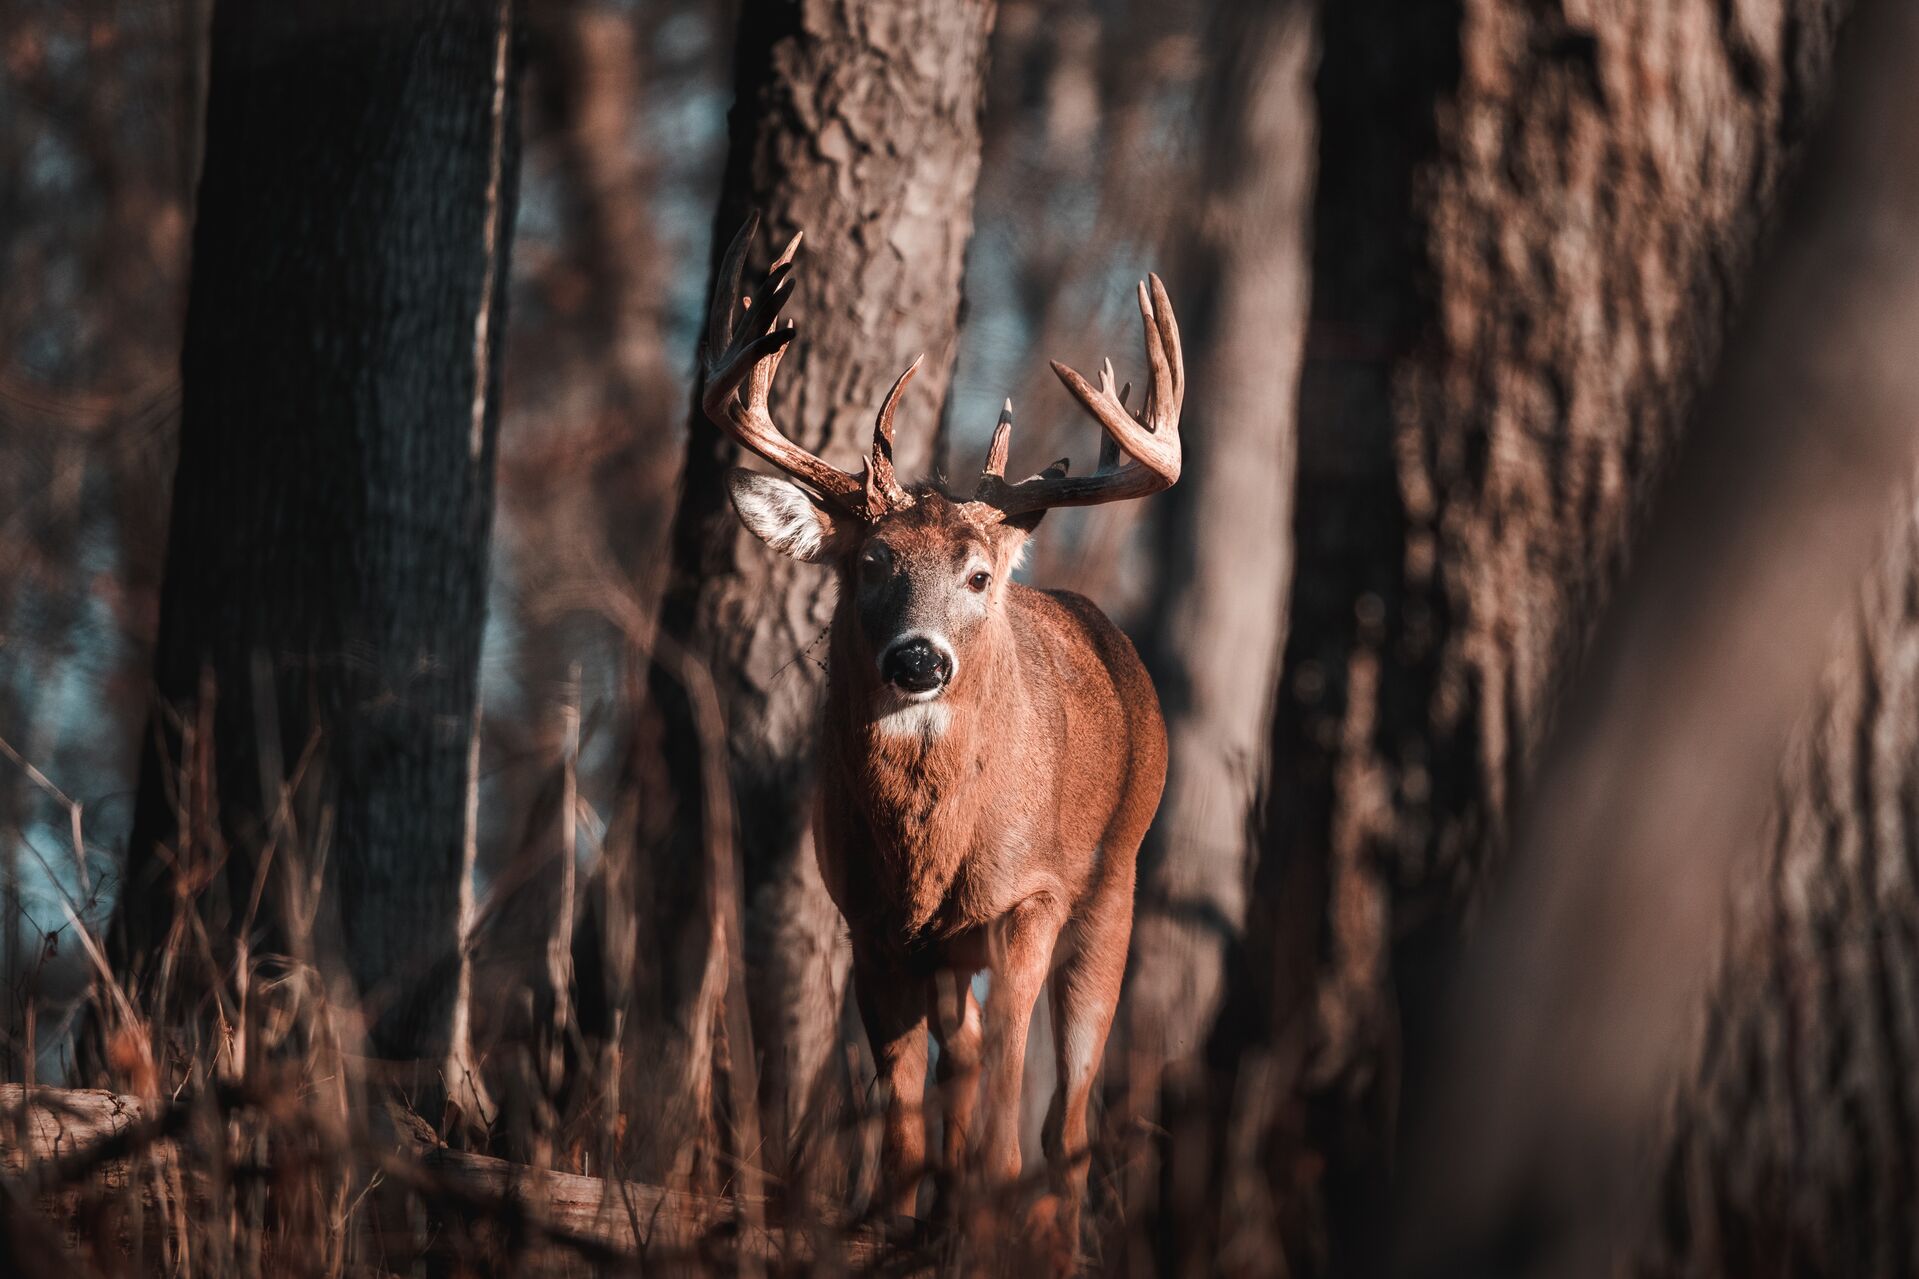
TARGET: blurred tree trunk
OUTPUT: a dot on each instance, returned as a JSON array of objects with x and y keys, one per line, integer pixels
[
  {"x": 591, "y": 64},
  {"x": 325, "y": 581},
  {"x": 1793, "y": 1146},
  {"x": 859, "y": 124},
  {"x": 595, "y": 412},
  {"x": 1528, "y": 230},
  {"x": 1225, "y": 532}
]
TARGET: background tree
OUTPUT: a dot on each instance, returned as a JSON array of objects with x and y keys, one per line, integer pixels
[
  {"x": 326, "y": 567},
  {"x": 1570, "y": 1015},
  {"x": 100, "y": 201},
  {"x": 1527, "y": 237},
  {"x": 1789, "y": 1144},
  {"x": 860, "y": 125},
  {"x": 1224, "y": 532}
]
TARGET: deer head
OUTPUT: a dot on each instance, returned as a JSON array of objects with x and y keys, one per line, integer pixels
[{"x": 925, "y": 571}]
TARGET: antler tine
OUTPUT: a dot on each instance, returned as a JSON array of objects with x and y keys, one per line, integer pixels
[
  {"x": 726, "y": 288},
  {"x": 1108, "y": 446},
  {"x": 1150, "y": 439},
  {"x": 790, "y": 252},
  {"x": 1166, "y": 393},
  {"x": 740, "y": 359},
  {"x": 1002, "y": 441},
  {"x": 881, "y": 480}
]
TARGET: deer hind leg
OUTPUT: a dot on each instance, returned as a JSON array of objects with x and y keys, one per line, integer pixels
[
  {"x": 893, "y": 1010},
  {"x": 1085, "y": 992},
  {"x": 958, "y": 1031}
]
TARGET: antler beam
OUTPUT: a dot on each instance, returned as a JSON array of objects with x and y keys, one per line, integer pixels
[
  {"x": 742, "y": 352},
  {"x": 1150, "y": 439}
]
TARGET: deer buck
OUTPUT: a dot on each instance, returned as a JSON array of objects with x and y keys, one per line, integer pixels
[{"x": 991, "y": 754}]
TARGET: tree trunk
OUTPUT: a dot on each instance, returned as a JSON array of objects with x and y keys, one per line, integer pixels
[
  {"x": 1225, "y": 532},
  {"x": 1792, "y": 1143},
  {"x": 325, "y": 582},
  {"x": 1527, "y": 231},
  {"x": 858, "y": 124}
]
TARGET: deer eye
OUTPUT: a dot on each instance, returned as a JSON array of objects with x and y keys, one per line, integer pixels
[
  {"x": 979, "y": 581},
  {"x": 875, "y": 557}
]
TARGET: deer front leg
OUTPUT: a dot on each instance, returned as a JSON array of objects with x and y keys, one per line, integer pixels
[
  {"x": 893, "y": 1010},
  {"x": 958, "y": 1031},
  {"x": 1022, "y": 952}
]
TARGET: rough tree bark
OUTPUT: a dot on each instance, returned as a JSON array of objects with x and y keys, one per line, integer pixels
[
  {"x": 1791, "y": 1147},
  {"x": 1568, "y": 1015},
  {"x": 1528, "y": 227},
  {"x": 325, "y": 580},
  {"x": 858, "y": 124},
  {"x": 1225, "y": 530},
  {"x": 1790, "y": 1144}
]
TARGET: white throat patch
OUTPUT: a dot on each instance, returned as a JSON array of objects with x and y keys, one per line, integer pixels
[{"x": 922, "y": 721}]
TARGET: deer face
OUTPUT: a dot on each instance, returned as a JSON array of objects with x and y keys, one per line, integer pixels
[
  {"x": 925, "y": 575},
  {"x": 924, "y": 582}
]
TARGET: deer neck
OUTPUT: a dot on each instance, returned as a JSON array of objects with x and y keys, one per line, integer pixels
[{"x": 918, "y": 771}]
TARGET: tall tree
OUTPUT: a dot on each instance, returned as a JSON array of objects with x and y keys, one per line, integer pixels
[
  {"x": 325, "y": 579},
  {"x": 1791, "y": 1144},
  {"x": 1567, "y": 1022},
  {"x": 1224, "y": 530},
  {"x": 859, "y": 125},
  {"x": 1527, "y": 231}
]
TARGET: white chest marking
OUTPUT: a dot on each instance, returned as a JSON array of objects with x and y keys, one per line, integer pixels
[{"x": 924, "y": 721}]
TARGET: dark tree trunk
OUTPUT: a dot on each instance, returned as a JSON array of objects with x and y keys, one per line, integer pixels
[
  {"x": 1794, "y": 1144},
  {"x": 1225, "y": 532},
  {"x": 859, "y": 124},
  {"x": 325, "y": 581},
  {"x": 1527, "y": 230}
]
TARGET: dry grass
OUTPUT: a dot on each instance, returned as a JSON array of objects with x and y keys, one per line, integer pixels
[{"x": 237, "y": 1123}]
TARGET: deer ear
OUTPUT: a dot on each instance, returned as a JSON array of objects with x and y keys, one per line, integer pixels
[
  {"x": 786, "y": 517},
  {"x": 1015, "y": 539}
]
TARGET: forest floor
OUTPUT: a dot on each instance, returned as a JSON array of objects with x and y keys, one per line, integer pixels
[{"x": 228, "y": 1184}]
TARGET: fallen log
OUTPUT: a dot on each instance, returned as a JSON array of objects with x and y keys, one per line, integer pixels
[{"x": 68, "y": 1152}]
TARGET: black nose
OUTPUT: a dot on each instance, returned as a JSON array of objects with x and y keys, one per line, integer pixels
[{"x": 917, "y": 666}]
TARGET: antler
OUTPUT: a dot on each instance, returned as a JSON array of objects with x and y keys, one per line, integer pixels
[
  {"x": 741, "y": 353},
  {"x": 881, "y": 483},
  {"x": 1151, "y": 439}
]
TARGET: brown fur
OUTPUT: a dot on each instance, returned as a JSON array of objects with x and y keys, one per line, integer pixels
[{"x": 1005, "y": 842}]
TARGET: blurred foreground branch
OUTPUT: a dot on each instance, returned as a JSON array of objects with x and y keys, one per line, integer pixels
[{"x": 1569, "y": 1010}]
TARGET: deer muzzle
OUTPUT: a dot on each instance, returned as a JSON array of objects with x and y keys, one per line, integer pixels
[{"x": 918, "y": 664}]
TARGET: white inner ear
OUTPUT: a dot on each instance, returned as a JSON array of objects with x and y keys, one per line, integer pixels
[{"x": 780, "y": 514}]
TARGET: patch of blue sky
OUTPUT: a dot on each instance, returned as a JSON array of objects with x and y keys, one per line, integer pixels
[
  {"x": 995, "y": 345},
  {"x": 49, "y": 169},
  {"x": 688, "y": 127},
  {"x": 682, "y": 37},
  {"x": 538, "y": 216}
]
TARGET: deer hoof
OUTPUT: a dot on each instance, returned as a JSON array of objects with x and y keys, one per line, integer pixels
[{"x": 1050, "y": 1237}]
